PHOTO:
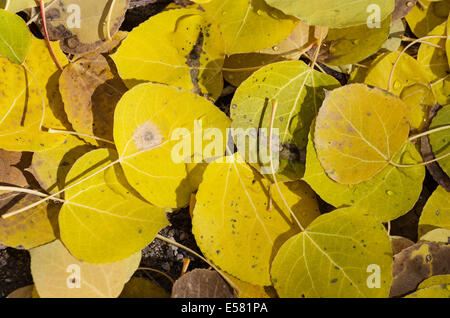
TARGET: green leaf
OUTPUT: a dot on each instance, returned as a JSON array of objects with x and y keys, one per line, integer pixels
[
  {"x": 299, "y": 91},
  {"x": 334, "y": 14},
  {"x": 15, "y": 38},
  {"x": 335, "y": 257}
]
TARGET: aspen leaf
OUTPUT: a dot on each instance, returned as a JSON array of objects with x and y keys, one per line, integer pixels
[
  {"x": 202, "y": 283},
  {"x": 437, "y": 235},
  {"x": 15, "y": 38},
  {"x": 173, "y": 47},
  {"x": 334, "y": 14},
  {"x": 440, "y": 140},
  {"x": 147, "y": 121},
  {"x": 434, "y": 59},
  {"x": 51, "y": 166},
  {"x": 434, "y": 280},
  {"x": 353, "y": 44},
  {"x": 239, "y": 67},
  {"x": 102, "y": 220},
  {"x": 246, "y": 26},
  {"x": 82, "y": 26},
  {"x": 417, "y": 263},
  {"x": 388, "y": 195},
  {"x": 358, "y": 132},
  {"x": 142, "y": 288},
  {"x": 25, "y": 93},
  {"x": 91, "y": 89},
  {"x": 410, "y": 81},
  {"x": 436, "y": 212},
  {"x": 300, "y": 40},
  {"x": 333, "y": 257},
  {"x": 299, "y": 91},
  {"x": 31, "y": 228},
  {"x": 54, "y": 271},
  {"x": 233, "y": 225}
]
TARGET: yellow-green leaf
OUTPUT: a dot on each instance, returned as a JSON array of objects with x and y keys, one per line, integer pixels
[
  {"x": 341, "y": 254},
  {"x": 15, "y": 38},
  {"x": 388, "y": 195},
  {"x": 335, "y": 14}
]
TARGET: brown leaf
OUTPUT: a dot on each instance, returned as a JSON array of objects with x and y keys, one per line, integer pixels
[
  {"x": 91, "y": 89},
  {"x": 202, "y": 283},
  {"x": 417, "y": 263}
]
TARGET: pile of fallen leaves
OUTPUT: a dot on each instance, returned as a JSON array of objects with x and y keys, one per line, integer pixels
[{"x": 309, "y": 140}]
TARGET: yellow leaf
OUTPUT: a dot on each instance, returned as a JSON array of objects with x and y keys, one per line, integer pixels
[
  {"x": 149, "y": 119},
  {"x": 103, "y": 220},
  {"x": 358, "y": 132},
  {"x": 173, "y": 47},
  {"x": 26, "y": 92},
  {"x": 410, "y": 81},
  {"x": 247, "y": 26},
  {"x": 435, "y": 61},
  {"x": 56, "y": 274}
]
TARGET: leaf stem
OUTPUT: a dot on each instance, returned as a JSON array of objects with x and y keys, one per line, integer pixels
[
  {"x": 44, "y": 25},
  {"x": 426, "y": 133},
  {"x": 398, "y": 165}
]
